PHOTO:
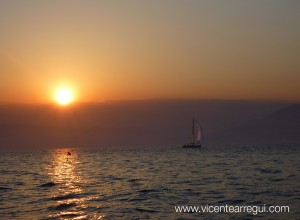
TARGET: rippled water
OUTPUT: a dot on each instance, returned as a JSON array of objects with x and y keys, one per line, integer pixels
[{"x": 147, "y": 183}]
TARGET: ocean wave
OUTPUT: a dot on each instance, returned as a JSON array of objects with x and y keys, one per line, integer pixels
[
  {"x": 63, "y": 206},
  {"x": 65, "y": 197},
  {"x": 5, "y": 188},
  {"x": 48, "y": 184},
  {"x": 146, "y": 210}
]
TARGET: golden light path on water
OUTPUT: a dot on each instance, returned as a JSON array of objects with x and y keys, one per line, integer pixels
[{"x": 69, "y": 195}]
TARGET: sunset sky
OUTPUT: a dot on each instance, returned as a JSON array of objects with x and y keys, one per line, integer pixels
[{"x": 122, "y": 50}]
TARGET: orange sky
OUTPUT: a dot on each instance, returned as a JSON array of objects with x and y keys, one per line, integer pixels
[{"x": 107, "y": 50}]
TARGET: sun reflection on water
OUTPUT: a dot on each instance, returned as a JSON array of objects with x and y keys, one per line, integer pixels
[
  {"x": 66, "y": 170},
  {"x": 69, "y": 194}
]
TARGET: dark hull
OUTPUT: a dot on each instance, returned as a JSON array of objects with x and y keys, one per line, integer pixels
[{"x": 191, "y": 146}]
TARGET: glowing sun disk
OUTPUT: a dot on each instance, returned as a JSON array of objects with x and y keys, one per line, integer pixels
[{"x": 64, "y": 96}]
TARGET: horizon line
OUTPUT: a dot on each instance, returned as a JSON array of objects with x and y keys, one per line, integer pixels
[{"x": 153, "y": 99}]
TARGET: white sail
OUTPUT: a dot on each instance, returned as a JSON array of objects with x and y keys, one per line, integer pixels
[{"x": 199, "y": 133}]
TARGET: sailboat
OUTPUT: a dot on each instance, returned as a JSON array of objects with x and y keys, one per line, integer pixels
[{"x": 199, "y": 140}]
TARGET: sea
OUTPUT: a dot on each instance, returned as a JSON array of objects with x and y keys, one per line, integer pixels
[{"x": 150, "y": 182}]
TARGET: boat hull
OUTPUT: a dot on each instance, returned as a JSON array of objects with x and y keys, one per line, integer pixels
[{"x": 191, "y": 146}]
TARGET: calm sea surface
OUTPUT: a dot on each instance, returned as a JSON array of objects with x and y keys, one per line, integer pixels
[{"x": 147, "y": 183}]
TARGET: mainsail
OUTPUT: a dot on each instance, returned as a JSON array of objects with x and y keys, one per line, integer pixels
[
  {"x": 199, "y": 138},
  {"x": 199, "y": 132}
]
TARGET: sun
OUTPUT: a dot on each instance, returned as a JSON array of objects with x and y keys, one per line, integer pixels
[{"x": 64, "y": 96}]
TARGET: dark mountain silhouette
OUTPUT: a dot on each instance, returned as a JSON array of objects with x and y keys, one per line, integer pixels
[
  {"x": 282, "y": 126},
  {"x": 123, "y": 123}
]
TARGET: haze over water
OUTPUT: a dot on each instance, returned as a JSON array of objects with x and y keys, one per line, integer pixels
[{"x": 146, "y": 183}]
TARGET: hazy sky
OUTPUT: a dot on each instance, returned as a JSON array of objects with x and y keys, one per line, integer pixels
[{"x": 150, "y": 49}]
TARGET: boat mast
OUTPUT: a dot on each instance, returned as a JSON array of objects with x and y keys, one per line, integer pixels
[
  {"x": 193, "y": 132},
  {"x": 198, "y": 133}
]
